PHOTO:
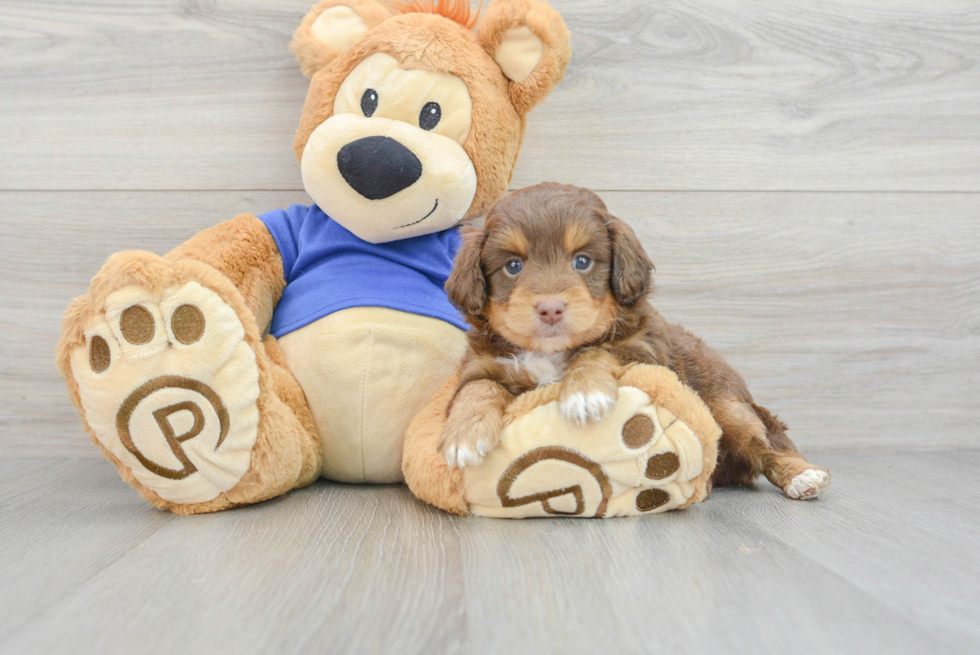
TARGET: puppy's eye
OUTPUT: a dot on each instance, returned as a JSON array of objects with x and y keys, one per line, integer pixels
[
  {"x": 582, "y": 262},
  {"x": 514, "y": 267},
  {"x": 369, "y": 102},
  {"x": 430, "y": 116}
]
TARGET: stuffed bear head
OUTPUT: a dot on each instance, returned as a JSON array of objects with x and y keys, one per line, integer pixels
[{"x": 414, "y": 118}]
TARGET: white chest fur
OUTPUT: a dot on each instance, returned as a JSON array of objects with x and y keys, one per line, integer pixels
[{"x": 544, "y": 368}]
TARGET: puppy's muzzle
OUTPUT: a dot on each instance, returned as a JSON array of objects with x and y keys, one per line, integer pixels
[{"x": 378, "y": 166}]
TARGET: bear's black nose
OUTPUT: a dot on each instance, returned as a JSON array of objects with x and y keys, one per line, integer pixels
[{"x": 378, "y": 166}]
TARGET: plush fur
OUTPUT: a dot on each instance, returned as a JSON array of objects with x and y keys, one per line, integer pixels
[
  {"x": 606, "y": 323},
  {"x": 312, "y": 53},
  {"x": 540, "y": 19},
  {"x": 426, "y": 472}
]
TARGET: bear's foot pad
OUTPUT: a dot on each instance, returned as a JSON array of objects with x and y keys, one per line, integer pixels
[
  {"x": 169, "y": 386},
  {"x": 640, "y": 459}
]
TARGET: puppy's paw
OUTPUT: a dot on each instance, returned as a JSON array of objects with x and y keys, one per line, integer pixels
[
  {"x": 808, "y": 484},
  {"x": 582, "y": 407},
  {"x": 467, "y": 444}
]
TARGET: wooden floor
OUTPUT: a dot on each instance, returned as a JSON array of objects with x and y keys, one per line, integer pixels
[{"x": 886, "y": 562}]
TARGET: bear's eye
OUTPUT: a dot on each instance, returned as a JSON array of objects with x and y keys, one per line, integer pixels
[
  {"x": 582, "y": 262},
  {"x": 369, "y": 102},
  {"x": 430, "y": 116},
  {"x": 514, "y": 267}
]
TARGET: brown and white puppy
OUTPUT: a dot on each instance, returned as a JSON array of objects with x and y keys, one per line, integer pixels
[{"x": 556, "y": 290}]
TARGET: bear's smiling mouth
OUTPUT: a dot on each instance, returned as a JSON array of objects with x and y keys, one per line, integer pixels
[{"x": 421, "y": 219}]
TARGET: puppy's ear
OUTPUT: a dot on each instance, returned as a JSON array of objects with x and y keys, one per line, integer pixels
[
  {"x": 467, "y": 286},
  {"x": 529, "y": 41},
  {"x": 631, "y": 267},
  {"x": 331, "y": 27}
]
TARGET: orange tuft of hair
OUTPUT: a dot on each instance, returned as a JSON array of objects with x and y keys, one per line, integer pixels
[{"x": 458, "y": 11}]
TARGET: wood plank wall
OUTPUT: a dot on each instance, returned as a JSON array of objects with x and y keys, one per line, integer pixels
[{"x": 806, "y": 176}]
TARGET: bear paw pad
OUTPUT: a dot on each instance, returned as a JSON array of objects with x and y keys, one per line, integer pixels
[
  {"x": 169, "y": 386},
  {"x": 639, "y": 459}
]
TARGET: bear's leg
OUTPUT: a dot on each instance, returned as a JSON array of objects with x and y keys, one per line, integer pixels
[
  {"x": 166, "y": 365},
  {"x": 654, "y": 451},
  {"x": 754, "y": 441},
  {"x": 427, "y": 474}
]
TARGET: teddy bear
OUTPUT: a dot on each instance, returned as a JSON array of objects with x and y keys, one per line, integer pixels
[{"x": 268, "y": 351}]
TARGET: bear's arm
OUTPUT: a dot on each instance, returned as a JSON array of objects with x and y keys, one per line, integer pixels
[{"x": 244, "y": 251}]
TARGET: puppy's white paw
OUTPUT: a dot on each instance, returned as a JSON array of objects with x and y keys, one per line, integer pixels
[
  {"x": 461, "y": 455},
  {"x": 468, "y": 449},
  {"x": 808, "y": 484},
  {"x": 580, "y": 407}
]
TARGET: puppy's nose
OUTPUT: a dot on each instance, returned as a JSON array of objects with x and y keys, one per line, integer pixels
[
  {"x": 550, "y": 311},
  {"x": 378, "y": 166}
]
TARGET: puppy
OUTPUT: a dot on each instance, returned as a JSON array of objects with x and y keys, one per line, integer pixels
[{"x": 555, "y": 289}]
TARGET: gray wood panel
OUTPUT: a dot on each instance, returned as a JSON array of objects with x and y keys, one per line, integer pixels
[
  {"x": 854, "y": 316},
  {"x": 61, "y": 525},
  {"x": 685, "y": 94},
  {"x": 882, "y": 563},
  {"x": 908, "y": 534}
]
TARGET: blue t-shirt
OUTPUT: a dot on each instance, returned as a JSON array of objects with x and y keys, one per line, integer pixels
[{"x": 329, "y": 269}]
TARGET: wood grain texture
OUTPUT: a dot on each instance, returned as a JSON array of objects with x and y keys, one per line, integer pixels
[
  {"x": 61, "y": 525},
  {"x": 675, "y": 94},
  {"x": 909, "y": 528},
  {"x": 882, "y": 563},
  {"x": 853, "y": 316}
]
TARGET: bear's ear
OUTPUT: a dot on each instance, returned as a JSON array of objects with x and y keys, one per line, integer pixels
[
  {"x": 529, "y": 41},
  {"x": 331, "y": 27}
]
